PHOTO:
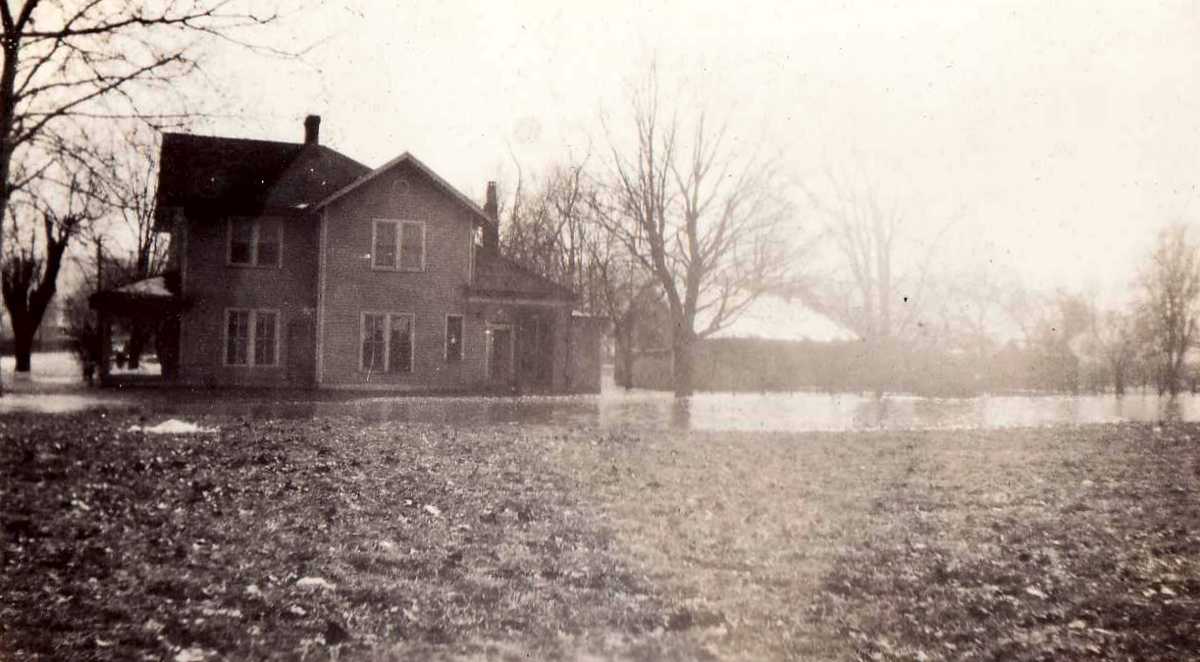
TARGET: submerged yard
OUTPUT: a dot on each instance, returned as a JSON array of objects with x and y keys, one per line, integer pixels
[{"x": 335, "y": 538}]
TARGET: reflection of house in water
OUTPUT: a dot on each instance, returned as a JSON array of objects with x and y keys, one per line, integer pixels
[{"x": 294, "y": 265}]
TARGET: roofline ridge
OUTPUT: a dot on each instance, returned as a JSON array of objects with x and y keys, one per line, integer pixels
[{"x": 204, "y": 136}]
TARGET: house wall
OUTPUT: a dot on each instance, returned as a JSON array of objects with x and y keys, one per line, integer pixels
[
  {"x": 214, "y": 286},
  {"x": 338, "y": 242},
  {"x": 351, "y": 287}
]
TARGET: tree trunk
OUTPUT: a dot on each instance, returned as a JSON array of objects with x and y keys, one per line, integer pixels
[
  {"x": 27, "y": 293},
  {"x": 1173, "y": 374},
  {"x": 624, "y": 368},
  {"x": 23, "y": 345},
  {"x": 626, "y": 359},
  {"x": 881, "y": 366},
  {"x": 682, "y": 349}
]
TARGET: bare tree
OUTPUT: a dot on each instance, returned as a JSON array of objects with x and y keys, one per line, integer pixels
[
  {"x": 133, "y": 198},
  {"x": 28, "y": 280},
  {"x": 552, "y": 230},
  {"x": 1114, "y": 342},
  {"x": 73, "y": 69},
  {"x": 628, "y": 295},
  {"x": 1170, "y": 290},
  {"x": 549, "y": 228},
  {"x": 68, "y": 63},
  {"x": 867, "y": 290},
  {"x": 127, "y": 246},
  {"x": 708, "y": 224}
]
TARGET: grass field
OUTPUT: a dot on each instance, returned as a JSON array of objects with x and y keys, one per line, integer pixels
[{"x": 333, "y": 539}]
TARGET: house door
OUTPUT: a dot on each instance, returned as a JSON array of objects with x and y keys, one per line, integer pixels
[
  {"x": 500, "y": 355},
  {"x": 534, "y": 350},
  {"x": 301, "y": 352}
]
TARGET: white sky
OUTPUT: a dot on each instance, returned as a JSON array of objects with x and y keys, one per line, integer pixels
[{"x": 1068, "y": 131}]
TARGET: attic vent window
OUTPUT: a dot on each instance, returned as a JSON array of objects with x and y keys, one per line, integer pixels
[{"x": 400, "y": 187}]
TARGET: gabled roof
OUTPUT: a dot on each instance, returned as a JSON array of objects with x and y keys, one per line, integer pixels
[
  {"x": 237, "y": 175},
  {"x": 500, "y": 277},
  {"x": 408, "y": 158}
]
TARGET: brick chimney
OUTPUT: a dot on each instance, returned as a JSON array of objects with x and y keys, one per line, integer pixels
[
  {"x": 491, "y": 233},
  {"x": 312, "y": 129}
]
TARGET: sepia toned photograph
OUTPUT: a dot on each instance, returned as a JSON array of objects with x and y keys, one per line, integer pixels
[{"x": 603, "y": 331}]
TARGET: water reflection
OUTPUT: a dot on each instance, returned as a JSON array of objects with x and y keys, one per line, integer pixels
[{"x": 708, "y": 411}]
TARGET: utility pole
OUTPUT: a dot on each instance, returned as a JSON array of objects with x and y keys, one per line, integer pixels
[{"x": 99, "y": 264}]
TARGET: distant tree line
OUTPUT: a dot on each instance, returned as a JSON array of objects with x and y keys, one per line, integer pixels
[
  {"x": 1065, "y": 342},
  {"x": 671, "y": 234}
]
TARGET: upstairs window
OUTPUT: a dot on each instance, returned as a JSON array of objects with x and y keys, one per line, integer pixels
[
  {"x": 398, "y": 245},
  {"x": 385, "y": 245},
  {"x": 471, "y": 249},
  {"x": 251, "y": 337},
  {"x": 255, "y": 242}
]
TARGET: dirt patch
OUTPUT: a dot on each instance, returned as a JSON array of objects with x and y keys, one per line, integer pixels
[
  {"x": 741, "y": 527},
  {"x": 277, "y": 540},
  {"x": 331, "y": 538},
  {"x": 1059, "y": 544},
  {"x": 1027, "y": 544}
]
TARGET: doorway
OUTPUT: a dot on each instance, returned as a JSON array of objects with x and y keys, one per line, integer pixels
[
  {"x": 500, "y": 354},
  {"x": 301, "y": 352}
]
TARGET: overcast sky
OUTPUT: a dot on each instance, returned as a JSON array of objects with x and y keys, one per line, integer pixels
[{"x": 1066, "y": 131}]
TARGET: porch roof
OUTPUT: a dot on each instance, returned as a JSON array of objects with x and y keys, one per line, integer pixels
[
  {"x": 497, "y": 277},
  {"x": 149, "y": 297}
]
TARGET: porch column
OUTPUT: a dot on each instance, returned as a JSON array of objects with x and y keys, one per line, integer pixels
[{"x": 104, "y": 331}]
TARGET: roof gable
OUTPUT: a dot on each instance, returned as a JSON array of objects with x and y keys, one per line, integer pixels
[
  {"x": 406, "y": 158},
  {"x": 313, "y": 174}
]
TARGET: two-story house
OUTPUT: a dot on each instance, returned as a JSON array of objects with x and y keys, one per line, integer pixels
[{"x": 296, "y": 266}]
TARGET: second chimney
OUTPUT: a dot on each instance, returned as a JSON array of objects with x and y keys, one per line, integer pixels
[
  {"x": 312, "y": 129},
  {"x": 491, "y": 207}
]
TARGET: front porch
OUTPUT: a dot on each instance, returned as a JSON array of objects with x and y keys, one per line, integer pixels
[
  {"x": 152, "y": 305},
  {"x": 523, "y": 346}
]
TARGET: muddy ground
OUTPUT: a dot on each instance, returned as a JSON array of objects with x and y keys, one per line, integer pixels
[{"x": 336, "y": 539}]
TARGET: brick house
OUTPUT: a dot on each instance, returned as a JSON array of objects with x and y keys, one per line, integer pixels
[{"x": 296, "y": 266}]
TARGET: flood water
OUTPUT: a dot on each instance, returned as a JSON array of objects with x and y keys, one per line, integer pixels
[
  {"x": 614, "y": 407},
  {"x": 55, "y": 388}
]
